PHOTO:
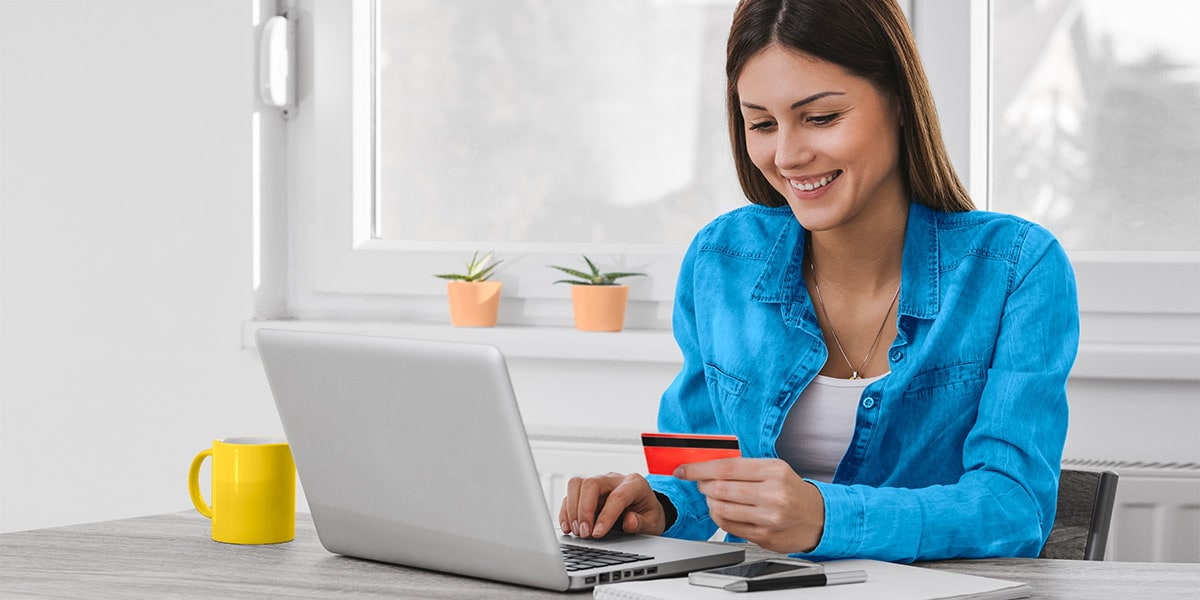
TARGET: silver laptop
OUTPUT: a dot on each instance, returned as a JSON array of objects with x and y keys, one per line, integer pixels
[{"x": 414, "y": 453}]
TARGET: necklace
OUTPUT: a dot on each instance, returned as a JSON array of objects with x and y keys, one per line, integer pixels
[{"x": 812, "y": 267}]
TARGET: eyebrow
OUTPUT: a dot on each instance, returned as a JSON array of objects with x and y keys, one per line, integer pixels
[{"x": 798, "y": 103}]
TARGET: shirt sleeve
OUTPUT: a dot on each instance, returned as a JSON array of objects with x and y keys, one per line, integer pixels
[
  {"x": 684, "y": 407},
  {"x": 1004, "y": 503}
]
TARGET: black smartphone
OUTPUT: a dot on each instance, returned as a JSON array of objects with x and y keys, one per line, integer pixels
[{"x": 754, "y": 570}]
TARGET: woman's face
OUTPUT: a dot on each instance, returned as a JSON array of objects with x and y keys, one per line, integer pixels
[{"x": 825, "y": 139}]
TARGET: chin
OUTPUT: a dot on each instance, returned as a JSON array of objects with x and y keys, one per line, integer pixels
[{"x": 814, "y": 220}]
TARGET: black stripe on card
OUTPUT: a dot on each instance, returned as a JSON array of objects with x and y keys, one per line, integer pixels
[{"x": 678, "y": 442}]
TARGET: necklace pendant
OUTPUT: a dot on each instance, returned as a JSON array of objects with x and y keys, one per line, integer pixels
[{"x": 854, "y": 375}]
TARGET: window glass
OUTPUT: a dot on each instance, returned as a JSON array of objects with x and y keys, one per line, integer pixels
[
  {"x": 551, "y": 120},
  {"x": 1095, "y": 120}
]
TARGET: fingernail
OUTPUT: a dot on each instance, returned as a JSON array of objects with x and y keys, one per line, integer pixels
[
  {"x": 575, "y": 527},
  {"x": 599, "y": 532},
  {"x": 565, "y": 527},
  {"x": 677, "y": 473},
  {"x": 584, "y": 530}
]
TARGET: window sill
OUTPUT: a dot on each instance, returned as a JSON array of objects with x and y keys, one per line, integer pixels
[
  {"x": 561, "y": 343},
  {"x": 1095, "y": 361}
]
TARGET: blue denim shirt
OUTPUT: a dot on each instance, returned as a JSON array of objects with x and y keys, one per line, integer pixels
[{"x": 956, "y": 452}]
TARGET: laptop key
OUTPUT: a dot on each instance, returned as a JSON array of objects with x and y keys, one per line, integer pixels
[{"x": 580, "y": 557}]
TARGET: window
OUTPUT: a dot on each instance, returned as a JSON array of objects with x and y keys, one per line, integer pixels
[
  {"x": 551, "y": 121},
  {"x": 1095, "y": 121},
  {"x": 543, "y": 129}
]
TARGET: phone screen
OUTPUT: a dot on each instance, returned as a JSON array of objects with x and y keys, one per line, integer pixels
[
  {"x": 762, "y": 568},
  {"x": 759, "y": 569}
]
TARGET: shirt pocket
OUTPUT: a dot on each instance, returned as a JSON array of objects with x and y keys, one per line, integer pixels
[
  {"x": 725, "y": 392},
  {"x": 940, "y": 407},
  {"x": 962, "y": 380},
  {"x": 722, "y": 385}
]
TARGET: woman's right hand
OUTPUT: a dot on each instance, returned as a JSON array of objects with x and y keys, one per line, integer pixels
[{"x": 596, "y": 505}]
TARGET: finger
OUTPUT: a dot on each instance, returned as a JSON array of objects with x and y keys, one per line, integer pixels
[
  {"x": 621, "y": 498},
  {"x": 735, "y": 469},
  {"x": 736, "y": 519},
  {"x": 569, "y": 515},
  {"x": 740, "y": 529},
  {"x": 738, "y": 492},
  {"x": 721, "y": 468},
  {"x": 632, "y": 523},
  {"x": 592, "y": 491},
  {"x": 733, "y": 512},
  {"x": 563, "y": 522}
]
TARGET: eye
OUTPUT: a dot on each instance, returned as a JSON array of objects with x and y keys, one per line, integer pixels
[
  {"x": 824, "y": 119},
  {"x": 760, "y": 125}
]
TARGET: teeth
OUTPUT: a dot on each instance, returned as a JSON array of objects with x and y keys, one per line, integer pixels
[{"x": 808, "y": 187}]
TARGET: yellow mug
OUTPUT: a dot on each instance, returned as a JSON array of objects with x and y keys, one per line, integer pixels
[{"x": 253, "y": 490}]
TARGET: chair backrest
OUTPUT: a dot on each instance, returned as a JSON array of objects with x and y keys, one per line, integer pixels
[{"x": 1085, "y": 506}]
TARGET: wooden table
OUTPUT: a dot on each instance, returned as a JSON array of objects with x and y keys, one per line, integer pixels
[{"x": 172, "y": 556}]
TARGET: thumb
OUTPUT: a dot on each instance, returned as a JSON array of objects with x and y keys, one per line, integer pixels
[{"x": 632, "y": 523}]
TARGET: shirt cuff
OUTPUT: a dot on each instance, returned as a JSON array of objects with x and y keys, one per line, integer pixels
[{"x": 669, "y": 511}]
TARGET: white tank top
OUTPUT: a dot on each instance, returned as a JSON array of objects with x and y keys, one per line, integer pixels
[{"x": 818, "y": 429}]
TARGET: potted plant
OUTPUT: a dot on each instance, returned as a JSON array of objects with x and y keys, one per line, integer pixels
[
  {"x": 474, "y": 299},
  {"x": 598, "y": 300}
]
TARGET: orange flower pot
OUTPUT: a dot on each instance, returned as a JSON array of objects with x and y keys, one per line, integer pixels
[
  {"x": 599, "y": 307},
  {"x": 474, "y": 303}
]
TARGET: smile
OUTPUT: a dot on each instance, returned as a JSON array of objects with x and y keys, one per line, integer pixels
[{"x": 808, "y": 185}]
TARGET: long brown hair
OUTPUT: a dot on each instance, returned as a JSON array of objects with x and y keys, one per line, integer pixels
[{"x": 872, "y": 40}]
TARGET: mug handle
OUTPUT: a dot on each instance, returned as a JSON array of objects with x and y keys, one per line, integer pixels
[{"x": 194, "y": 484}]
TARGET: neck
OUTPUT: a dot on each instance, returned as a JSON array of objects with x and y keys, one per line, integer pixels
[{"x": 864, "y": 258}]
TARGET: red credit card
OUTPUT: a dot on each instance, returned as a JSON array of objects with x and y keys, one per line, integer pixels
[{"x": 665, "y": 451}]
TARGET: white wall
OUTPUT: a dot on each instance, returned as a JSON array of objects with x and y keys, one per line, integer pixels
[{"x": 124, "y": 253}]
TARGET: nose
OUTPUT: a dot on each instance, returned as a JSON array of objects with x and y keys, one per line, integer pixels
[{"x": 792, "y": 149}]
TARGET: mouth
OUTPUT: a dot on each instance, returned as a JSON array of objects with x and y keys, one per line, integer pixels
[{"x": 814, "y": 183}]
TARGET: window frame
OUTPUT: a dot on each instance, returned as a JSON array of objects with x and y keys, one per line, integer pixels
[
  {"x": 1120, "y": 292},
  {"x": 336, "y": 270},
  {"x": 339, "y": 269}
]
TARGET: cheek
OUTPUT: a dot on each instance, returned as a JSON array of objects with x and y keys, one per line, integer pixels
[
  {"x": 875, "y": 148},
  {"x": 762, "y": 154},
  {"x": 845, "y": 144}
]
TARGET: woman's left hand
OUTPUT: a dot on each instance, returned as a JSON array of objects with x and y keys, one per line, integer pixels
[{"x": 760, "y": 500}]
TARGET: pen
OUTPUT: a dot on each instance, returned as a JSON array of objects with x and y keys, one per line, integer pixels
[{"x": 798, "y": 581}]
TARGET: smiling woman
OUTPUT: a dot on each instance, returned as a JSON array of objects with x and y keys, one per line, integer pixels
[
  {"x": 841, "y": 137},
  {"x": 837, "y": 144}
]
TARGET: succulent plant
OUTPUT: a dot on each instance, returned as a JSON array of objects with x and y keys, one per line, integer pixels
[
  {"x": 593, "y": 278},
  {"x": 478, "y": 269}
]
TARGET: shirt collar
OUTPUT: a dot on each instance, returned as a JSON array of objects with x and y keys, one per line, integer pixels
[
  {"x": 783, "y": 270},
  {"x": 782, "y": 274},
  {"x": 919, "y": 286}
]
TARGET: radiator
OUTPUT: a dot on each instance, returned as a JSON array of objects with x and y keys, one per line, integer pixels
[{"x": 1156, "y": 517}]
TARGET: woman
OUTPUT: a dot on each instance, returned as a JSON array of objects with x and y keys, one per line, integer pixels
[{"x": 892, "y": 362}]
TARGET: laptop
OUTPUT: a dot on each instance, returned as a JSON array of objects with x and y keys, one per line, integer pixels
[{"x": 414, "y": 453}]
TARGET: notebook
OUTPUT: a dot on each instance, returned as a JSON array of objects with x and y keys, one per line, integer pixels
[
  {"x": 414, "y": 453},
  {"x": 884, "y": 580}
]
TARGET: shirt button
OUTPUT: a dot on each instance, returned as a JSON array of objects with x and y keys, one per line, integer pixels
[
  {"x": 897, "y": 355},
  {"x": 868, "y": 402}
]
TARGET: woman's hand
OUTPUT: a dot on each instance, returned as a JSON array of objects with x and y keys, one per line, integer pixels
[
  {"x": 761, "y": 500},
  {"x": 615, "y": 496}
]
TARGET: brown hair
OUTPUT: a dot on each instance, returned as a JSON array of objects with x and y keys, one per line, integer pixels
[{"x": 870, "y": 39}]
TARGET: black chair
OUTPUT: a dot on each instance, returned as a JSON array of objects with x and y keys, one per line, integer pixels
[{"x": 1085, "y": 507}]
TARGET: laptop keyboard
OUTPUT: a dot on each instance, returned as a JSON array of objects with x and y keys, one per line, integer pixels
[{"x": 579, "y": 557}]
